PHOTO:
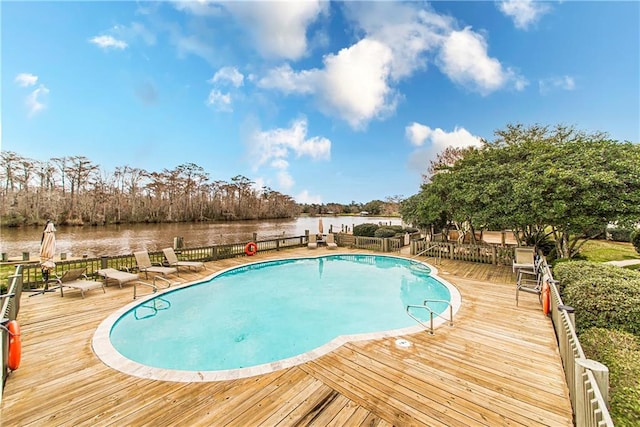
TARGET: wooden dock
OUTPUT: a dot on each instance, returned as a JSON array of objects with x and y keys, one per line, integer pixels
[{"x": 498, "y": 365}]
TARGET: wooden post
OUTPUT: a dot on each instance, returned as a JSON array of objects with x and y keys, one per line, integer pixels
[
  {"x": 600, "y": 373},
  {"x": 494, "y": 255},
  {"x": 103, "y": 262},
  {"x": 255, "y": 237}
]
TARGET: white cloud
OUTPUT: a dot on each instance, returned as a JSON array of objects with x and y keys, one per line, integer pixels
[
  {"x": 562, "y": 83},
  {"x": 192, "y": 45},
  {"x": 277, "y": 144},
  {"x": 285, "y": 79},
  {"x": 228, "y": 75},
  {"x": 273, "y": 148},
  {"x": 523, "y": 12},
  {"x": 305, "y": 197},
  {"x": 279, "y": 29},
  {"x": 408, "y": 30},
  {"x": 26, "y": 79},
  {"x": 358, "y": 83},
  {"x": 355, "y": 83},
  {"x": 464, "y": 59},
  {"x": 220, "y": 101},
  {"x": 35, "y": 102},
  {"x": 132, "y": 32},
  {"x": 199, "y": 7},
  {"x": 279, "y": 164},
  {"x": 352, "y": 85},
  {"x": 434, "y": 141},
  {"x": 285, "y": 180},
  {"x": 107, "y": 42},
  {"x": 418, "y": 134}
]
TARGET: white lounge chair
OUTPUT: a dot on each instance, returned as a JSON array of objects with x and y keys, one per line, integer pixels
[
  {"x": 173, "y": 260},
  {"x": 73, "y": 279},
  {"x": 313, "y": 242},
  {"x": 144, "y": 265},
  {"x": 120, "y": 277},
  {"x": 331, "y": 241}
]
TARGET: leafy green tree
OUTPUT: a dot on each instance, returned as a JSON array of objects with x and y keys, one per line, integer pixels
[{"x": 538, "y": 181}]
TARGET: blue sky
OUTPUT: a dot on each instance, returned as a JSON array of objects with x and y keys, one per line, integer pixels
[{"x": 324, "y": 101}]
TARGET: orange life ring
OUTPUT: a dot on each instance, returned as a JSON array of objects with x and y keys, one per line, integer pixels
[
  {"x": 15, "y": 347},
  {"x": 251, "y": 248},
  {"x": 546, "y": 298}
]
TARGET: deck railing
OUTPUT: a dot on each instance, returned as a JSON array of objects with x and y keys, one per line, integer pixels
[
  {"x": 32, "y": 274},
  {"x": 9, "y": 307},
  {"x": 587, "y": 380}
]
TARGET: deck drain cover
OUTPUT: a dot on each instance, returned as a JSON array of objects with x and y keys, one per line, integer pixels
[{"x": 403, "y": 343}]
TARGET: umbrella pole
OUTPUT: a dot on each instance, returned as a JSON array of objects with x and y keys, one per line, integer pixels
[{"x": 45, "y": 279}]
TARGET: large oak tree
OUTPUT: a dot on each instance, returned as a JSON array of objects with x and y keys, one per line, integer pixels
[{"x": 538, "y": 181}]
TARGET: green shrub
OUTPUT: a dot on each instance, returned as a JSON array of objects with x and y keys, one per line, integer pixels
[
  {"x": 410, "y": 230},
  {"x": 365, "y": 230},
  {"x": 385, "y": 232},
  {"x": 620, "y": 234},
  {"x": 602, "y": 295},
  {"x": 635, "y": 240},
  {"x": 620, "y": 352},
  {"x": 397, "y": 228}
]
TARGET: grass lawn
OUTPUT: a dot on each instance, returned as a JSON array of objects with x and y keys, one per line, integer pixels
[{"x": 607, "y": 250}]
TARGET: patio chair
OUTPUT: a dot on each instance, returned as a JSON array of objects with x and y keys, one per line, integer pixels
[
  {"x": 74, "y": 279},
  {"x": 173, "y": 260},
  {"x": 144, "y": 265},
  {"x": 331, "y": 241},
  {"x": 523, "y": 258},
  {"x": 313, "y": 241},
  {"x": 120, "y": 277},
  {"x": 530, "y": 280}
]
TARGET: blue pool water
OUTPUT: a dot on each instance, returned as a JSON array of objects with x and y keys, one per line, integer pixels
[{"x": 275, "y": 310}]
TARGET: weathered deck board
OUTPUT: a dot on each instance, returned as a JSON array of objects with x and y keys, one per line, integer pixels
[{"x": 498, "y": 365}]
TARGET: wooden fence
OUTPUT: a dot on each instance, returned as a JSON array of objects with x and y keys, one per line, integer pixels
[{"x": 486, "y": 253}]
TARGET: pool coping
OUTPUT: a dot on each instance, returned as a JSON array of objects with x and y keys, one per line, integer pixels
[{"x": 105, "y": 351}]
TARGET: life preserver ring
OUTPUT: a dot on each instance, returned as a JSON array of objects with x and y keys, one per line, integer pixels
[
  {"x": 546, "y": 298},
  {"x": 251, "y": 248},
  {"x": 15, "y": 347}
]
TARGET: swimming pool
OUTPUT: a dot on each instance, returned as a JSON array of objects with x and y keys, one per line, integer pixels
[{"x": 266, "y": 316}]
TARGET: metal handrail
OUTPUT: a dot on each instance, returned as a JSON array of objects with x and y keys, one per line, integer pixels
[
  {"x": 431, "y": 313},
  {"x": 438, "y": 257}
]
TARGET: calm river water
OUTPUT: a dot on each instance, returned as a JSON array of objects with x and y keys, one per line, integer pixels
[{"x": 125, "y": 239}]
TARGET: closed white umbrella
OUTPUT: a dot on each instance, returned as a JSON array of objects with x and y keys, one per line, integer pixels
[
  {"x": 320, "y": 227},
  {"x": 47, "y": 251}
]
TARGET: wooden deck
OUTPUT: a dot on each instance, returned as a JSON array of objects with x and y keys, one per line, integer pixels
[{"x": 498, "y": 365}]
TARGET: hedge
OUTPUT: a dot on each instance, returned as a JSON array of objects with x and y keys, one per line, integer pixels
[{"x": 603, "y": 296}]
